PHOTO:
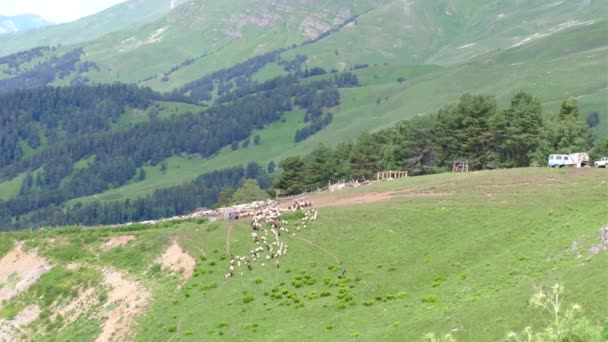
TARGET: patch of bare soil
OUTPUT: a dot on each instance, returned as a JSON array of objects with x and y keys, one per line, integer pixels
[
  {"x": 19, "y": 270},
  {"x": 334, "y": 200},
  {"x": 81, "y": 305},
  {"x": 126, "y": 300},
  {"x": 179, "y": 261},
  {"x": 115, "y": 241},
  {"x": 603, "y": 242},
  {"x": 10, "y": 330}
]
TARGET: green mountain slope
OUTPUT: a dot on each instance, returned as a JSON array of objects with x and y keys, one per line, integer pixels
[
  {"x": 427, "y": 254},
  {"x": 440, "y": 50},
  {"x": 127, "y": 15},
  {"x": 381, "y": 101},
  {"x": 215, "y": 34},
  {"x": 410, "y": 32}
]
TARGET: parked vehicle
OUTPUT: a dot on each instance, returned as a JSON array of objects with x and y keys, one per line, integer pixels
[
  {"x": 580, "y": 159},
  {"x": 601, "y": 163},
  {"x": 569, "y": 160}
]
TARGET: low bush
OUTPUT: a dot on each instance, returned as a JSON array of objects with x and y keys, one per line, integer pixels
[
  {"x": 248, "y": 298},
  {"x": 429, "y": 299}
]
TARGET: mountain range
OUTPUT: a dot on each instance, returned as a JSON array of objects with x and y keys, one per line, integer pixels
[{"x": 24, "y": 22}]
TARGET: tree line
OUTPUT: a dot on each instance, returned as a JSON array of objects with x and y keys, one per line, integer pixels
[
  {"x": 472, "y": 129},
  {"x": 46, "y": 72},
  {"x": 204, "y": 191}
]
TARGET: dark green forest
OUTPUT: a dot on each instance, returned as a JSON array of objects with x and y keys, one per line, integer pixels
[{"x": 65, "y": 125}]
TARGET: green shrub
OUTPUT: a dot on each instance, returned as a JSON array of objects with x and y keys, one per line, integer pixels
[
  {"x": 154, "y": 269},
  {"x": 222, "y": 324},
  {"x": 379, "y": 266},
  {"x": 430, "y": 299},
  {"x": 402, "y": 294},
  {"x": 329, "y": 327},
  {"x": 247, "y": 298},
  {"x": 172, "y": 328},
  {"x": 390, "y": 297},
  {"x": 325, "y": 294},
  {"x": 438, "y": 280},
  {"x": 258, "y": 280},
  {"x": 9, "y": 312}
]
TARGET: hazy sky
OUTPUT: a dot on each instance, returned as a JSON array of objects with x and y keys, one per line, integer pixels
[{"x": 57, "y": 11}]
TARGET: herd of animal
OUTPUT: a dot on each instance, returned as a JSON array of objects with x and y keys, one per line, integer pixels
[{"x": 268, "y": 232}]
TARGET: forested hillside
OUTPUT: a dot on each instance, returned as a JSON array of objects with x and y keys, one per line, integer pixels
[
  {"x": 211, "y": 88},
  {"x": 75, "y": 147}
]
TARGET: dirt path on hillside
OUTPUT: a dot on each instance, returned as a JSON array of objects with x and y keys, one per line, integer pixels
[
  {"x": 219, "y": 290},
  {"x": 329, "y": 253},
  {"x": 10, "y": 330},
  {"x": 129, "y": 300},
  {"x": 177, "y": 260},
  {"x": 228, "y": 238},
  {"x": 19, "y": 270},
  {"x": 312, "y": 243},
  {"x": 324, "y": 200},
  {"x": 116, "y": 241}
]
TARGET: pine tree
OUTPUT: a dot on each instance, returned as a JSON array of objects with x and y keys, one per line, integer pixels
[
  {"x": 517, "y": 130},
  {"x": 317, "y": 172},
  {"x": 291, "y": 180},
  {"x": 463, "y": 131},
  {"x": 565, "y": 132},
  {"x": 142, "y": 175},
  {"x": 414, "y": 145},
  {"x": 365, "y": 157},
  {"x": 271, "y": 167}
]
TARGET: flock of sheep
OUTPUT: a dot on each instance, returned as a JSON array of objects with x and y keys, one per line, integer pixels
[{"x": 268, "y": 229}]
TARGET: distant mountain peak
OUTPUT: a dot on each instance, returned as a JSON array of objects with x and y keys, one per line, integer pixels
[{"x": 22, "y": 22}]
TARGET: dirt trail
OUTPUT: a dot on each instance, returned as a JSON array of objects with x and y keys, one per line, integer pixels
[
  {"x": 179, "y": 261},
  {"x": 10, "y": 330},
  {"x": 323, "y": 200},
  {"x": 228, "y": 238},
  {"x": 128, "y": 299},
  {"x": 116, "y": 241},
  {"x": 19, "y": 270},
  {"x": 81, "y": 305},
  {"x": 312, "y": 243}
]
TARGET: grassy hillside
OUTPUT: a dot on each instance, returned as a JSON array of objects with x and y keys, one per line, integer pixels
[
  {"x": 427, "y": 254},
  {"x": 215, "y": 34},
  {"x": 381, "y": 101},
  {"x": 127, "y": 15}
]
